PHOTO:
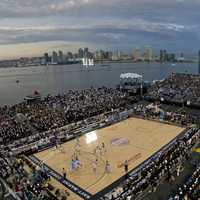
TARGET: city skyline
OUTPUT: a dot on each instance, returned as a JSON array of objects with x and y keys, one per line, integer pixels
[{"x": 29, "y": 28}]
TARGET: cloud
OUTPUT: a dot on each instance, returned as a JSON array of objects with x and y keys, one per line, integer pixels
[
  {"x": 112, "y": 33},
  {"x": 68, "y": 4},
  {"x": 108, "y": 23},
  {"x": 22, "y": 8},
  {"x": 116, "y": 35}
]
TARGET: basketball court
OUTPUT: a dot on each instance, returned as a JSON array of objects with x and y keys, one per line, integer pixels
[{"x": 133, "y": 140}]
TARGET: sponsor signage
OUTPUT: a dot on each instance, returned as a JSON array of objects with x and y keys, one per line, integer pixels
[
  {"x": 71, "y": 186},
  {"x": 119, "y": 141}
]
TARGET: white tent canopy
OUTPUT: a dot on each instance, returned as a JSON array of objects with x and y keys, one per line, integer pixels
[{"x": 130, "y": 76}]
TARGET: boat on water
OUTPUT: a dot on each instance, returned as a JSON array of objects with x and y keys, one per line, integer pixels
[{"x": 36, "y": 96}]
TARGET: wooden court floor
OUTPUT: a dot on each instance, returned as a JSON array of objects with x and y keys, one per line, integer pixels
[{"x": 132, "y": 139}]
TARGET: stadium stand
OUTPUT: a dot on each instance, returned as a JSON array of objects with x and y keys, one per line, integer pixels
[
  {"x": 177, "y": 88},
  {"x": 36, "y": 123}
]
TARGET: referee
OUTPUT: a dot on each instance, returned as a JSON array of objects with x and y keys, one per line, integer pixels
[{"x": 126, "y": 166}]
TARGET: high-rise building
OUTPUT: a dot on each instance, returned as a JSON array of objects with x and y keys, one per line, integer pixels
[
  {"x": 171, "y": 57},
  {"x": 199, "y": 62},
  {"x": 181, "y": 58},
  {"x": 80, "y": 53},
  {"x": 102, "y": 54},
  {"x": 54, "y": 59},
  {"x": 165, "y": 55},
  {"x": 182, "y": 55},
  {"x": 116, "y": 55},
  {"x": 110, "y": 53},
  {"x": 96, "y": 55},
  {"x": 47, "y": 59},
  {"x": 70, "y": 55},
  {"x": 85, "y": 52},
  {"x": 161, "y": 55},
  {"x": 60, "y": 57},
  {"x": 106, "y": 55},
  {"x": 90, "y": 55},
  {"x": 136, "y": 54},
  {"x": 148, "y": 55}
]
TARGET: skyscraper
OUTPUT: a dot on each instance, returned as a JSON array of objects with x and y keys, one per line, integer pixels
[
  {"x": 136, "y": 54},
  {"x": 116, "y": 55},
  {"x": 60, "y": 57},
  {"x": 148, "y": 54},
  {"x": 70, "y": 55},
  {"x": 171, "y": 57},
  {"x": 199, "y": 62},
  {"x": 86, "y": 51},
  {"x": 80, "y": 53},
  {"x": 165, "y": 55},
  {"x": 101, "y": 54},
  {"x": 110, "y": 53},
  {"x": 161, "y": 56},
  {"x": 46, "y": 58},
  {"x": 54, "y": 58}
]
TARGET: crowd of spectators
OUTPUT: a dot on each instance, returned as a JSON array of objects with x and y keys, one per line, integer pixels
[
  {"x": 53, "y": 112},
  {"x": 159, "y": 112},
  {"x": 163, "y": 166},
  {"x": 177, "y": 88},
  {"x": 26, "y": 119},
  {"x": 190, "y": 189},
  {"x": 25, "y": 186}
]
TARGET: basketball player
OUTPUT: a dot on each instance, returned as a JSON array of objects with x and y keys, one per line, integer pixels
[
  {"x": 74, "y": 155},
  {"x": 62, "y": 150},
  {"x": 57, "y": 141},
  {"x": 126, "y": 166},
  {"x": 96, "y": 151},
  {"x": 64, "y": 173},
  {"x": 96, "y": 161},
  {"x": 100, "y": 150},
  {"x": 78, "y": 162},
  {"x": 78, "y": 141},
  {"x": 72, "y": 166},
  {"x": 94, "y": 167},
  {"x": 107, "y": 167},
  {"x": 103, "y": 147},
  {"x": 54, "y": 143},
  {"x": 77, "y": 146}
]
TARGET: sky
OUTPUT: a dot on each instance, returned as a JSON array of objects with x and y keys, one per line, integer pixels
[{"x": 32, "y": 27}]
